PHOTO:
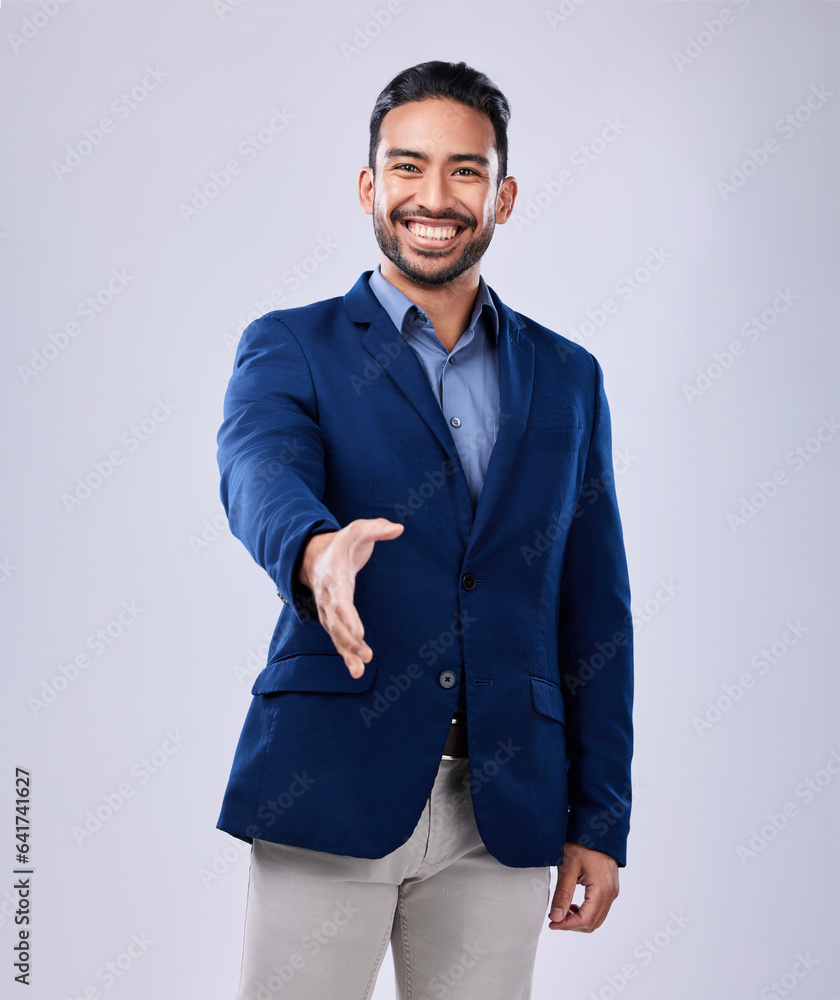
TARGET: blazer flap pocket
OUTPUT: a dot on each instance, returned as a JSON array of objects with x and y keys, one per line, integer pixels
[
  {"x": 552, "y": 438},
  {"x": 324, "y": 672},
  {"x": 548, "y": 699}
]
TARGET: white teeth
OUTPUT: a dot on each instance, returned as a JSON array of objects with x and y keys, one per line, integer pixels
[{"x": 432, "y": 232}]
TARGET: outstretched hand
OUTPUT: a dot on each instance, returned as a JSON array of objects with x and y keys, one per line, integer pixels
[
  {"x": 329, "y": 566},
  {"x": 599, "y": 874}
]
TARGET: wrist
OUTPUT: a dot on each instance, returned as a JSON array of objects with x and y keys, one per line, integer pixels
[{"x": 314, "y": 547}]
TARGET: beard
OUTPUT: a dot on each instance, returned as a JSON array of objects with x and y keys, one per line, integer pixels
[{"x": 471, "y": 253}]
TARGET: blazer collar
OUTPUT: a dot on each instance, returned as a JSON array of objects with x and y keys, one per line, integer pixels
[{"x": 362, "y": 306}]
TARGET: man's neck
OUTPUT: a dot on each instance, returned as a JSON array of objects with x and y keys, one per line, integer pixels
[{"x": 449, "y": 306}]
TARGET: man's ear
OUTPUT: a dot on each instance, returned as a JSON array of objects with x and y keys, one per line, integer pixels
[
  {"x": 366, "y": 189},
  {"x": 505, "y": 199}
]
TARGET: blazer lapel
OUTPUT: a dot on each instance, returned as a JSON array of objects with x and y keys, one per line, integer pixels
[
  {"x": 516, "y": 382},
  {"x": 397, "y": 361}
]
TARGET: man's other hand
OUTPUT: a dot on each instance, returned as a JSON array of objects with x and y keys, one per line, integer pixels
[
  {"x": 329, "y": 566},
  {"x": 599, "y": 874}
]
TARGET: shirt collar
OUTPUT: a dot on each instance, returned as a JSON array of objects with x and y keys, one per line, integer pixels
[{"x": 398, "y": 305}]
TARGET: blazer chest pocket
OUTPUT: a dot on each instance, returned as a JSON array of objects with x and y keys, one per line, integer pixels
[{"x": 553, "y": 438}]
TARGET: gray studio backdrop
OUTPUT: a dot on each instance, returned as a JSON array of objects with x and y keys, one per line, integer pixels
[{"x": 171, "y": 170}]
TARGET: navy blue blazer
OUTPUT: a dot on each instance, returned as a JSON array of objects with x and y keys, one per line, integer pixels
[{"x": 329, "y": 417}]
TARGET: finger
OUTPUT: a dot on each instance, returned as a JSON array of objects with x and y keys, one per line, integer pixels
[
  {"x": 597, "y": 900},
  {"x": 343, "y": 625},
  {"x": 340, "y": 599},
  {"x": 571, "y": 922},
  {"x": 355, "y": 652},
  {"x": 341, "y": 612},
  {"x": 563, "y": 893},
  {"x": 337, "y": 611},
  {"x": 589, "y": 916}
]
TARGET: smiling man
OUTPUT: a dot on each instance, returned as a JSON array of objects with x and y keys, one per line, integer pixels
[{"x": 445, "y": 713}]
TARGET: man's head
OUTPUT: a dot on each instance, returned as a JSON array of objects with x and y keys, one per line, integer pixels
[
  {"x": 436, "y": 180},
  {"x": 456, "y": 81}
]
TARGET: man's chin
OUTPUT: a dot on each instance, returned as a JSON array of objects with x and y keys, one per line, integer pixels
[
  {"x": 428, "y": 267},
  {"x": 430, "y": 276},
  {"x": 433, "y": 267}
]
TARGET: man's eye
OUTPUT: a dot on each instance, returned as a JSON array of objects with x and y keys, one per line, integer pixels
[
  {"x": 467, "y": 170},
  {"x": 405, "y": 166}
]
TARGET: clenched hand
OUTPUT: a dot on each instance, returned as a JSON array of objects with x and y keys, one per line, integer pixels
[{"x": 599, "y": 874}]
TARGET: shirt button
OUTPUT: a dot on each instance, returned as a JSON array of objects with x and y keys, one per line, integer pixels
[
  {"x": 452, "y": 360},
  {"x": 447, "y": 679},
  {"x": 468, "y": 581},
  {"x": 455, "y": 421}
]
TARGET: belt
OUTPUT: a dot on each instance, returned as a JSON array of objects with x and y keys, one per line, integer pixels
[{"x": 455, "y": 747}]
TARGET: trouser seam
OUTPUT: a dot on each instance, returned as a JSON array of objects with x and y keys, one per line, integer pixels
[
  {"x": 401, "y": 912},
  {"x": 375, "y": 967}
]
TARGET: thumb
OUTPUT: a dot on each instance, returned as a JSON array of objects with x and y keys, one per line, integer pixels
[
  {"x": 563, "y": 894},
  {"x": 384, "y": 528},
  {"x": 364, "y": 533},
  {"x": 371, "y": 529}
]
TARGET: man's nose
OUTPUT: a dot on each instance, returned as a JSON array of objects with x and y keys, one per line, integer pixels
[{"x": 434, "y": 192}]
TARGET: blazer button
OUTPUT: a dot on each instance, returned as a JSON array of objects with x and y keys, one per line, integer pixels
[
  {"x": 447, "y": 679},
  {"x": 468, "y": 581}
]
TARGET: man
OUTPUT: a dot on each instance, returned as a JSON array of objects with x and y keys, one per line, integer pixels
[{"x": 445, "y": 713}]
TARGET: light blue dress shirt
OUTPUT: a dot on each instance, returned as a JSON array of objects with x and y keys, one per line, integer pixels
[{"x": 465, "y": 381}]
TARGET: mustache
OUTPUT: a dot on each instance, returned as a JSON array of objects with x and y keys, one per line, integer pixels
[{"x": 451, "y": 216}]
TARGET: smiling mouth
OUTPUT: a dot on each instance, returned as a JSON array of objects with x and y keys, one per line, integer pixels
[{"x": 439, "y": 233}]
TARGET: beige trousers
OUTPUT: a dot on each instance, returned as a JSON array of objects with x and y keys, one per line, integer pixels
[{"x": 462, "y": 926}]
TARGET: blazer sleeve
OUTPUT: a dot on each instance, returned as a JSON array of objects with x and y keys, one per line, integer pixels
[
  {"x": 596, "y": 650},
  {"x": 271, "y": 457}
]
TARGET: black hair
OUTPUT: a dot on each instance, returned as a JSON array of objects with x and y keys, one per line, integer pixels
[{"x": 457, "y": 81}]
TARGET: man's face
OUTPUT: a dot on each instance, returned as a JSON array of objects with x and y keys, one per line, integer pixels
[{"x": 434, "y": 198}]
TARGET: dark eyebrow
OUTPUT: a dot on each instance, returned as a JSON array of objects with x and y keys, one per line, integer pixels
[{"x": 398, "y": 153}]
